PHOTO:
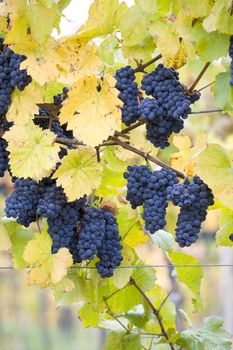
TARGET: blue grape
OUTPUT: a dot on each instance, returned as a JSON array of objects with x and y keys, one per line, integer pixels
[
  {"x": 91, "y": 234},
  {"x": 171, "y": 105},
  {"x": 44, "y": 123},
  {"x": 154, "y": 208},
  {"x": 138, "y": 178},
  {"x": 58, "y": 99},
  {"x": 160, "y": 125},
  {"x": 11, "y": 76},
  {"x": 193, "y": 199},
  {"x": 109, "y": 252},
  {"x": 23, "y": 201},
  {"x": 231, "y": 56},
  {"x": 63, "y": 227},
  {"x": 4, "y": 157},
  {"x": 52, "y": 200},
  {"x": 231, "y": 237},
  {"x": 128, "y": 88}
]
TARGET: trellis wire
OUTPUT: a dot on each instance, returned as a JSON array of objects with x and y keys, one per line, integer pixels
[{"x": 139, "y": 266}]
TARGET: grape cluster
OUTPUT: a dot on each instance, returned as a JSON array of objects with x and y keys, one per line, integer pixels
[
  {"x": 11, "y": 76},
  {"x": 128, "y": 88},
  {"x": 22, "y": 202},
  {"x": 91, "y": 234},
  {"x": 138, "y": 178},
  {"x": 109, "y": 252},
  {"x": 160, "y": 125},
  {"x": 165, "y": 113},
  {"x": 193, "y": 200},
  {"x": 157, "y": 189},
  {"x": 154, "y": 209},
  {"x": 149, "y": 189},
  {"x": 231, "y": 56}
]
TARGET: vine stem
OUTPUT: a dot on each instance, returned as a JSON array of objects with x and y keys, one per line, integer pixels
[
  {"x": 200, "y": 75},
  {"x": 154, "y": 310},
  {"x": 145, "y": 156},
  {"x": 208, "y": 111},
  {"x": 141, "y": 67}
]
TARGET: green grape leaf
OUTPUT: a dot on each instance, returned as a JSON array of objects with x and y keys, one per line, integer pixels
[
  {"x": 103, "y": 18},
  {"x": 132, "y": 33},
  {"x": 144, "y": 277},
  {"x": 123, "y": 341},
  {"x": 51, "y": 90},
  {"x": 201, "y": 8},
  {"x": 210, "y": 336},
  {"x": 190, "y": 276},
  {"x": 49, "y": 19},
  {"x": 167, "y": 311},
  {"x": 223, "y": 92},
  {"x": 163, "y": 239},
  {"x": 226, "y": 228},
  {"x": 213, "y": 45},
  {"x": 89, "y": 316},
  {"x": 214, "y": 167},
  {"x": 19, "y": 241},
  {"x": 124, "y": 299},
  {"x": 220, "y": 18},
  {"x": 79, "y": 173}
]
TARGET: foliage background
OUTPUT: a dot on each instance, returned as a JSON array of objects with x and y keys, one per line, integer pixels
[{"x": 29, "y": 312}]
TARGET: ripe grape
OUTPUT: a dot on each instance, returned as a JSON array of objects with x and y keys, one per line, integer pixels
[
  {"x": 4, "y": 157},
  {"x": 154, "y": 208},
  {"x": 193, "y": 199},
  {"x": 160, "y": 125},
  {"x": 11, "y": 76},
  {"x": 231, "y": 237},
  {"x": 138, "y": 178},
  {"x": 63, "y": 227},
  {"x": 52, "y": 199},
  {"x": 23, "y": 201},
  {"x": 109, "y": 251},
  {"x": 171, "y": 105},
  {"x": 128, "y": 88},
  {"x": 91, "y": 234}
]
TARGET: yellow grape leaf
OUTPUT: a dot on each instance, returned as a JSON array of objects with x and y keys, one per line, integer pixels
[
  {"x": 43, "y": 65},
  {"x": 184, "y": 159},
  {"x": 104, "y": 16},
  {"x": 24, "y": 103},
  {"x": 138, "y": 140},
  {"x": 24, "y": 15},
  {"x": 168, "y": 42},
  {"x": 32, "y": 150},
  {"x": 3, "y": 24},
  {"x": 77, "y": 59},
  {"x": 98, "y": 106},
  {"x": 215, "y": 168},
  {"x": 50, "y": 268},
  {"x": 178, "y": 60},
  {"x": 79, "y": 173}
]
